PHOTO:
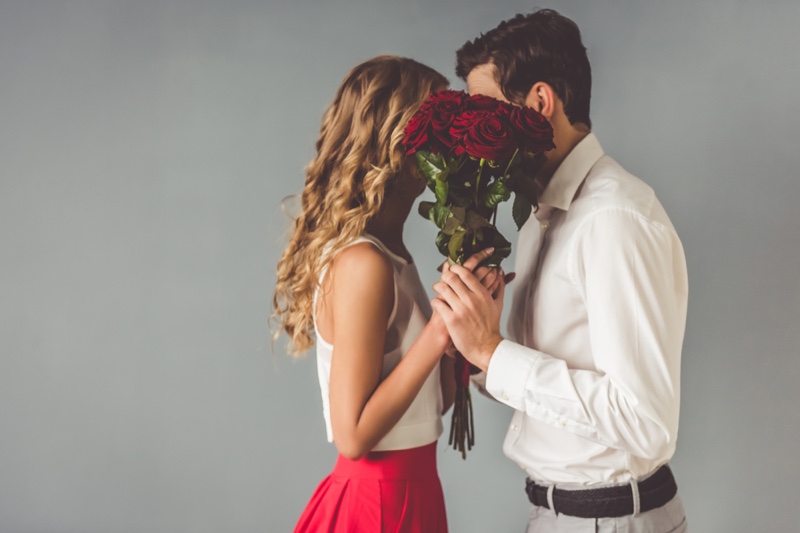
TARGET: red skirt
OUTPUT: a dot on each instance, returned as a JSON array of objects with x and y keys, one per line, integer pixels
[{"x": 385, "y": 492}]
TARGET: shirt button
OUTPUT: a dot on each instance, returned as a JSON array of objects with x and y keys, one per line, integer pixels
[
  {"x": 504, "y": 396},
  {"x": 562, "y": 422},
  {"x": 514, "y": 427}
]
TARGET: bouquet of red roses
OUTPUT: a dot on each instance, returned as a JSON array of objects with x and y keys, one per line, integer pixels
[{"x": 475, "y": 152}]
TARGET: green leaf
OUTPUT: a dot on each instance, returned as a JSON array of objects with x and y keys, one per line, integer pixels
[
  {"x": 425, "y": 209},
  {"x": 475, "y": 221},
  {"x": 525, "y": 184},
  {"x": 459, "y": 195},
  {"x": 432, "y": 165},
  {"x": 521, "y": 210},
  {"x": 490, "y": 236},
  {"x": 456, "y": 163},
  {"x": 502, "y": 248},
  {"x": 440, "y": 190},
  {"x": 454, "y": 247},
  {"x": 440, "y": 215},
  {"x": 496, "y": 193},
  {"x": 451, "y": 225},
  {"x": 442, "y": 242}
]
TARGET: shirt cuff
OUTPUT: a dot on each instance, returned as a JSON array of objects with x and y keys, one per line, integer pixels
[
  {"x": 479, "y": 382},
  {"x": 508, "y": 373}
]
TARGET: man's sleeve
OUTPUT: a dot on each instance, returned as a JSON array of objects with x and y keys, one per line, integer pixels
[{"x": 479, "y": 382}]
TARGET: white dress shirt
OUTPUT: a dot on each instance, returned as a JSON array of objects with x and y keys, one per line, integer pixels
[{"x": 592, "y": 363}]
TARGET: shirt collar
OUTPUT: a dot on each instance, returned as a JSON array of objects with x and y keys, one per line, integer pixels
[{"x": 569, "y": 175}]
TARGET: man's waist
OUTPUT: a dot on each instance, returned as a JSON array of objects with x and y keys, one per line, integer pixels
[
  {"x": 637, "y": 496},
  {"x": 591, "y": 476}
]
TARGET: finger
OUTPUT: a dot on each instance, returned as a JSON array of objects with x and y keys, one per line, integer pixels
[
  {"x": 482, "y": 272},
  {"x": 486, "y": 275},
  {"x": 476, "y": 258},
  {"x": 469, "y": 280},
  {"x": 501, "y": 290},
  {"x": 440, "y": 299},
  {"x": 446, "y": 273},
  {"x": 446, "y": 293},
  {"x": 490, "y": 279},
  {"x": 456, "y": 283},
  {"x": 510, "y": 277},
  {"x": 494, "y": 286},
  {"x": 443, "y": 309},
  {"x": 446, "y": 270}
]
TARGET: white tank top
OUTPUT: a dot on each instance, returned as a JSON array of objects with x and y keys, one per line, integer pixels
[{"x": 422, "y": 423}]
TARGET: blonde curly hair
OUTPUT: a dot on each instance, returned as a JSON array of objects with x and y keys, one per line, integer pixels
[{"x": 359, "y": 154}]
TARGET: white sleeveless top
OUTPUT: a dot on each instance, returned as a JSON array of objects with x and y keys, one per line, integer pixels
[{"x": 422, "y": 423}]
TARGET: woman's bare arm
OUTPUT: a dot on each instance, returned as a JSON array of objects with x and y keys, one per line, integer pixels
[{"x": 364, "y": 408}]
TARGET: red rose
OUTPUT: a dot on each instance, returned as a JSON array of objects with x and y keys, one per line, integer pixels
[
  {"x": 444, "y": 106},
  {"x": 463, "y": 122},
  {"x": 417, "y": 130},
  {"x": 447, "y": 96},
  {"x": 533, "y": 130},
  {"x": 488, "y": 137},
  {"x": 480, "y": 102}
]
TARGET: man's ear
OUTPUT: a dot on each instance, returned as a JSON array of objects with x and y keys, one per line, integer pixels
[{"x": 542, "y": 98}]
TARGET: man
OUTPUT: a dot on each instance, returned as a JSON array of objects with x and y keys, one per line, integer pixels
[{"x": 592, "y": 360}]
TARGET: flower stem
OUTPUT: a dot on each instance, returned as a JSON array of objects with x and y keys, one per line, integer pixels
[
  {"x": 511, "y": 161},
  {"x": 478, "y": 182}
]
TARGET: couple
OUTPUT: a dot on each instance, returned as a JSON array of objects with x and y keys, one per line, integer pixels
[{"x": 591, "y": 364}]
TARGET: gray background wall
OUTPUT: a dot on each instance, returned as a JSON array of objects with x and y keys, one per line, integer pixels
[{"x": 144, "y": 150}]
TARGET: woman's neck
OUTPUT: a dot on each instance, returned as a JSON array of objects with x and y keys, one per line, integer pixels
[
  {"x": 388, "y": 225},
  {"x": 390, "y": 232}
]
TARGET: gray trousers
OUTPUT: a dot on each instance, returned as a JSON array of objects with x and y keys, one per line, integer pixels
[{"x": 669, "y": 518}]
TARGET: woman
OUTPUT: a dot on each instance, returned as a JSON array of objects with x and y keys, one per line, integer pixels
[{"x": 347, "y": 279}]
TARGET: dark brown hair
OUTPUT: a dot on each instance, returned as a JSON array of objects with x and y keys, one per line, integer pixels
[{"x": 541, "y": 46}]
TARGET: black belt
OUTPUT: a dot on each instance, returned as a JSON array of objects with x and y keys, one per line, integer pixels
[{"x": 655, "y": 491}]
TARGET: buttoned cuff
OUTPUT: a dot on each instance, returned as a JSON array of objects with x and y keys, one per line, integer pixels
[{"x": 508, "y": 373}]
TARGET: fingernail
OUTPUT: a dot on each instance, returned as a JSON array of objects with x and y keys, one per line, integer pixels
[{"x": 490, "y": 250}]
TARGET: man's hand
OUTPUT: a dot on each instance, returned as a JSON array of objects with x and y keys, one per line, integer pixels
[
  {"x": 470, "y": 310},
  {"x": 488, "y": 277}
]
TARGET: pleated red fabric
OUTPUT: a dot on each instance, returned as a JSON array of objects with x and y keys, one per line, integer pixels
[{"x": 385, "y": 492}]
